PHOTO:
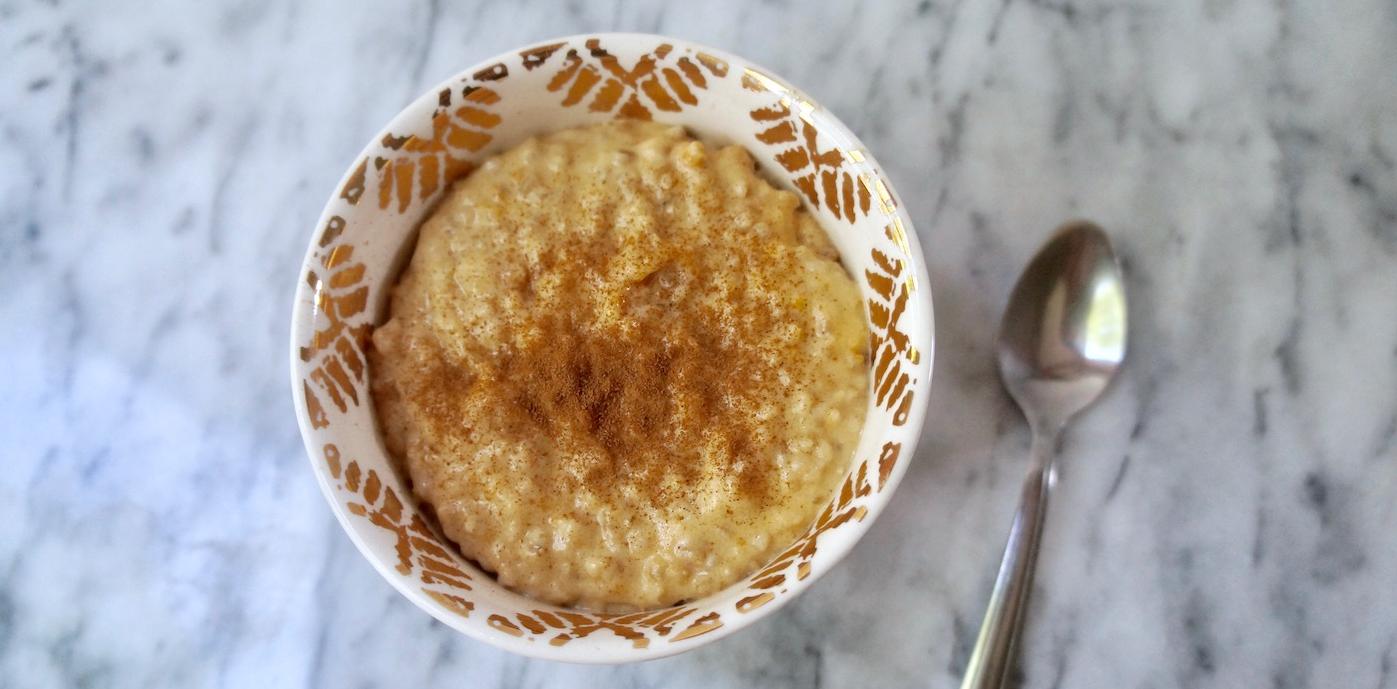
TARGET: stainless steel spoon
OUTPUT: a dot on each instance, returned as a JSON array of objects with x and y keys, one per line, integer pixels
[{"x": 1061, "y": 341}]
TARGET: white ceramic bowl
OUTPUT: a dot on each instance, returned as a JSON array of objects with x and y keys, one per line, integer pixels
[{"x": 368, "y": 226}]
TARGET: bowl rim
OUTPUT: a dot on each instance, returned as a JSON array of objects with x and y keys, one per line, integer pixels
[{"x": 834, "y": 552}]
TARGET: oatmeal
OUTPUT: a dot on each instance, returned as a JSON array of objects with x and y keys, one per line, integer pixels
[{"x": 622, "y": 369}]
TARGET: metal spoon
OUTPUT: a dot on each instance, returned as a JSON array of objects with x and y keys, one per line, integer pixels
[{"x": 1061, "y": 341}]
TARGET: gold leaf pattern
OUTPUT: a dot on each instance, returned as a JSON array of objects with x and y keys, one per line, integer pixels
[
  {"x": 565, "y": 625},
  {"x": 890, "y": 346},
  {"x": 418, "y": 549},
  {"x": 354, "y": 186},
  {"x": 337, "y": 349},
  {"x": 753, "y": 602},
  {"x": 654, "y": 81},
  {"x": 887, "y": 459},
  {"x": 428, "y": 164},
  {"x": 702, "y": 625},
  {"x": 535, "y": 57},
  {"x": 822, "y": 176},
  {"x": 454, "y": 603}
]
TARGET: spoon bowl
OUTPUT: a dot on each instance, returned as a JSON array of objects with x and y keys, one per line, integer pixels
[{"x": 1063, "y": 333}]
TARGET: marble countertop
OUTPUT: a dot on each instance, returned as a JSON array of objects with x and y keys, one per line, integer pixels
[{"x": 1225, "y": 516}]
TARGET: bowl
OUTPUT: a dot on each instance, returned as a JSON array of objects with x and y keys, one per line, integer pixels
[{"x": 368, "y": 227}]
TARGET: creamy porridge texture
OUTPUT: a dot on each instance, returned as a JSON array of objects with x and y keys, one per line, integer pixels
[{"x": 622, "y": 368}]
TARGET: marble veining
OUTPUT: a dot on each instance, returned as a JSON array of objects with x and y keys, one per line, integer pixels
[{"x": 1225, "y": 514}]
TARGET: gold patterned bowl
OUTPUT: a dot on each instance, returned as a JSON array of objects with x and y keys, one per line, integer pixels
[{"x": 370, "y": 222}]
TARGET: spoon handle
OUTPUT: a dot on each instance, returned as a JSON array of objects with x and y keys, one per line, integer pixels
[{"x": 994, "y": 649}]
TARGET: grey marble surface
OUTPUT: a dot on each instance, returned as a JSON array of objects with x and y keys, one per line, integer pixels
[{"x": 1226, "y": 516}]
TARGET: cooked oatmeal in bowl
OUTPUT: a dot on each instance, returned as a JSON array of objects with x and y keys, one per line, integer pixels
[
  {"x": 621, "y": 367},
  {"x": 610, "y": 346}
]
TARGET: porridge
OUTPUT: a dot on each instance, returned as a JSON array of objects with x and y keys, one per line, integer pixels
[{"x": 621, "y": 368}]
